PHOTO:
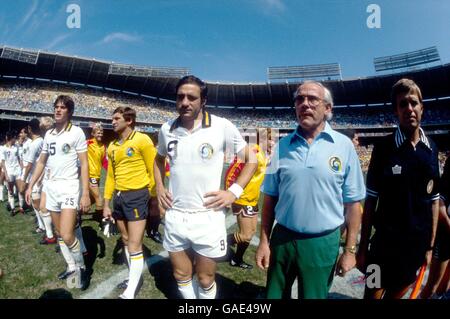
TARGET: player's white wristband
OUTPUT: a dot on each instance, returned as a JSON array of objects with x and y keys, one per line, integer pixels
[{"x": 236, "y": 189}]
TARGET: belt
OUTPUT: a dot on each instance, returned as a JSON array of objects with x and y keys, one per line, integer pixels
[{"x": 299, "y": 235}]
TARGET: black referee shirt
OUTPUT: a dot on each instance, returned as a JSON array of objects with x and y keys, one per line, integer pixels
[
  {"x": 444, "y": 189},
  {"x": 405, "y": 181}
]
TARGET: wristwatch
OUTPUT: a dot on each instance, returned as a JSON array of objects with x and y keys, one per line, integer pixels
[{"x": 351, "y": 249}]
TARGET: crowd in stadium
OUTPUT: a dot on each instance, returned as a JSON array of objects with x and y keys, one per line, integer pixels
[
  {"x": 66, "y": 172},
  {"x": 97, "y": 103}
]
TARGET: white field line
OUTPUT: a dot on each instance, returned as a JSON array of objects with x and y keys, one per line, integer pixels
[{"x": 105, "y": 288}]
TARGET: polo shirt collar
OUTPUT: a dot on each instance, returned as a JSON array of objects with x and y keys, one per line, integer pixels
[
  {"x": 327, "y": 133},
  {"x": 66, "y": 129},
  {"x": 400, "y": 138},
  {"x": 130, "y": 137},
  {"x": 206, "y": 122}
]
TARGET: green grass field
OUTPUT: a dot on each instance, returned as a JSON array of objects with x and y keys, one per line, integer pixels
[{"x": 30, "y": 270}]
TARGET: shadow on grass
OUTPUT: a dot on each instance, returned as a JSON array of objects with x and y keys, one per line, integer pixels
[
  {"x": 56, "y": 294},
  {"x": 95, "y": 246},
  {"x": 227, "y": 288}
]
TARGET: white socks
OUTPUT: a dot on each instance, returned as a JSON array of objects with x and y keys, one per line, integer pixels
[
  {"x": 21, "y": 200},
  {"x": 79, "y": 235},
  {"x": 40, "y": 221},
  {"x": 207, "y": 293},
  {"x": 71, "y": 266},
  {"x": 47, "y": 219},
  {"x": 188, "y": 288},
  {"x": 136, "y": 267},
  {"x": 11, "y": 201},
  {"x": 76, "y": 253}
]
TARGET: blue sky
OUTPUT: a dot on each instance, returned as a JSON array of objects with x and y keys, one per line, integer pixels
[{"x": 230, "y": 41}]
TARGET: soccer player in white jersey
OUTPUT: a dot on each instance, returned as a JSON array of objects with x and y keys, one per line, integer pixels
[
  {"x": 62, "y": 147},
  {"x": 195, "y": 143},
  {"x": 23, "y": 143},
  {"x": 11, "y": 167},
  {"x": 29, "y": 159}
]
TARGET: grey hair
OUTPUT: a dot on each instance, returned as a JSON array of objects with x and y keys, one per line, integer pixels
[{"x": 327, "y": 97}]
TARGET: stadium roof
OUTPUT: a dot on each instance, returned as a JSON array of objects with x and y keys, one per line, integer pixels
[{"x": 433, "y": 81}]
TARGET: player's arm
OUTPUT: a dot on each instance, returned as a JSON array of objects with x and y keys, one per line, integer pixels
[
  {"x": 85, "y": 201},
  {"x": 267, "y": 220},
  {"x": 159, "y": 170},
  {"x": 38, "y": 170},
  {"x": 221, "y": 198},
  {"x": 148, "y": 154},
  {"x": 347, "y": 260},
  {"x": 109, "y": 189}
]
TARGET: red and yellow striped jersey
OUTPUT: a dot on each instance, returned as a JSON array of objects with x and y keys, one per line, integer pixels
[
  {"x": 250, "y": 196},
  {"x": 96, "y": 154}
]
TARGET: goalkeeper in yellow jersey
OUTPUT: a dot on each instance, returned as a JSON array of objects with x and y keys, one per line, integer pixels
[{"x": 130, "y": 179}]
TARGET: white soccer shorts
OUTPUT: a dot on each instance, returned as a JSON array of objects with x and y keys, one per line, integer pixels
[
  {"x": 204, "y": 231},
  {"x": 62, "y": 194},
  {"x": 13, "y": 175}
]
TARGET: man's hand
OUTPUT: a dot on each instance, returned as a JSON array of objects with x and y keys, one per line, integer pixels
[
  {"x": 85, "y": 203},
  {"x": 262, "y": 257},
  {"x": 28, "y": 196},
  {"x": 107, "y": 213},
  {"x": 219, "y": 199},
  {"x": 346, "y": 262},
  {"x": 164, "y": 198}
]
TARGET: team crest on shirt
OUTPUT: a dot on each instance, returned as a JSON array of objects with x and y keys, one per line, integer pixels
[
  {"x": 335, "y": 164},
  {"x": 130, "y": 151},
  {"x": 66, "y": 148},
  {"x": 206, "y": 151}
]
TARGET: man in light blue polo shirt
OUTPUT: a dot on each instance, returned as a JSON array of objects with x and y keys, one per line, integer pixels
[{"x": 313, "y": 185}]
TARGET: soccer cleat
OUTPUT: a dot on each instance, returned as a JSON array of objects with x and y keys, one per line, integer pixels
[
  {"x": 13, "y": 213},
  {"x": 123, "y": 285},
  {"x": 47, "y": 241},
  {"x": 21, "y": 210},
  {"x": 8, "y": 207},
  {"x": 241, "y": 264},
  {"x": 65, "y": 274},
  {"x": 57, "y": 249},
  {"x": 156, "y": 236}
]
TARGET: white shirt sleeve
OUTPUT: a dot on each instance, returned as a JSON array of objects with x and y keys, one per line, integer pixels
[
  {"x": 80, "y": 143},
  {"x": 233, "y": 138},
  {"x": 45, "y": 144},
  {"x": 162, "y": 143}
]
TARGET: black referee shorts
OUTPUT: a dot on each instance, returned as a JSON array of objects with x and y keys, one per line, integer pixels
[{"x": 131, "y": 205}]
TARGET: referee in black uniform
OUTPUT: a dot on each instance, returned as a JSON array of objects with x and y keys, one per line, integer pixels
[{"x": 403, "y": 180}]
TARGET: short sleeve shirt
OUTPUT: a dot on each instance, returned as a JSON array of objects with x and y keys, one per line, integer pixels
[{"x": 196, "y": 158}]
